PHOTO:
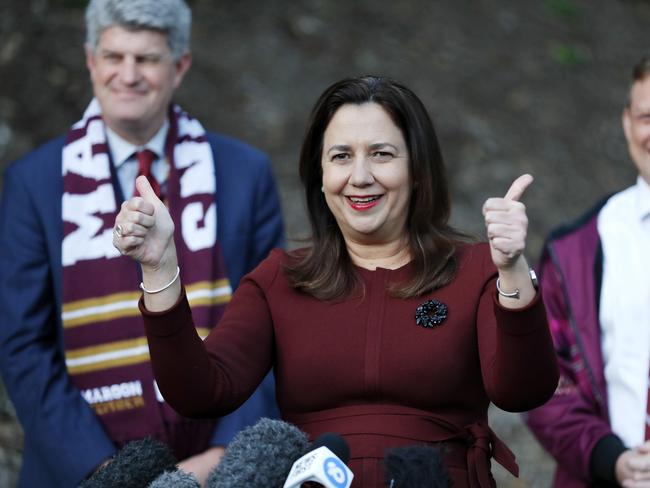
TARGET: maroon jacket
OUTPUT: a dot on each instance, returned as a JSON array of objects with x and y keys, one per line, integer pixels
[{"x": 574, "y": 425}]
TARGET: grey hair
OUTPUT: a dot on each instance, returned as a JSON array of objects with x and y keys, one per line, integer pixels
[{"x": 171, "y": 17}]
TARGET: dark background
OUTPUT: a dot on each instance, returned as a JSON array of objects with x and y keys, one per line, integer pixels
[{"x": 513, "y": 86}]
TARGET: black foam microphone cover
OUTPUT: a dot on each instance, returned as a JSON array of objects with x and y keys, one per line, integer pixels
[
  {"x": 334, "y": 443},
  {"x": 260, "y": 456},
  {"x": 136, "y": 465},
  {"x": 415, "y": 467},
  {"x": 175, "y": 479}
]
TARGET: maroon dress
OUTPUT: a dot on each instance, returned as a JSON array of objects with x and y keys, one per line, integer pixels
[{"x": 363, "y": 367}]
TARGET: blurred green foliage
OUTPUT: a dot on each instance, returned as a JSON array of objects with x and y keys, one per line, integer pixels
[
  {"x": 568, "y": 54},
  {"x": 563, "y": 9}
]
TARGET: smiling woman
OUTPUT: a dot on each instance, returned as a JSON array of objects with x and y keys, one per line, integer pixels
[
  {"x": 390, "y": 329},
  {"x": 369, "y": 141},
  {"x": 366, "y": 178}
]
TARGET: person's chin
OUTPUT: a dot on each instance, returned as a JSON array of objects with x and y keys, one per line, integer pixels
[
  {"x": 122, "y": 105},
  {"x": 129, "y": 117},
  {"x": 367, "y": 229},
  {"x": 129, "y": 103},
  {"x": 128, "y": 122}
]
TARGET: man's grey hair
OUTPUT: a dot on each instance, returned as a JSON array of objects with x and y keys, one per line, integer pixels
[{"x": 171, "y": 17}]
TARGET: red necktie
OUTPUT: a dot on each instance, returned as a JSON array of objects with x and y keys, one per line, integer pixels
[{"x": 145, "y": 159}]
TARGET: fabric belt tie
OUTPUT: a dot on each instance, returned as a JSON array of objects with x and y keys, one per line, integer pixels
[
  {"x": 394, "y": 426},
  {"x": 483, "y": 443}
]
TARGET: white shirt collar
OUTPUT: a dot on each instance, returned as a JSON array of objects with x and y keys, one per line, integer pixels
[
  {"x": 643, "y": 198},
  {"x": 122, "y": 150}
]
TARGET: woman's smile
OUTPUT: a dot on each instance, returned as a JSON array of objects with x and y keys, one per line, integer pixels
[{"x": 364, "y": 203}]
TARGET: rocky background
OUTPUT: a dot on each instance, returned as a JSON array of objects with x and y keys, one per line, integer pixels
[{"x": 513, "y": 86}]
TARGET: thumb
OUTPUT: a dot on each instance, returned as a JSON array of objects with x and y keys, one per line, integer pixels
[
  {"x": 518, "y": 187},
  {"x": 145, "y": 190}
]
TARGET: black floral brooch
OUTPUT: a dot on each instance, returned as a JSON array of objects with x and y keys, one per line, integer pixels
[{"x": 430, "y": 313}]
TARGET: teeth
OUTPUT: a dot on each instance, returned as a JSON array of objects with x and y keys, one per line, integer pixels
[{"x": 363, "y": 199}]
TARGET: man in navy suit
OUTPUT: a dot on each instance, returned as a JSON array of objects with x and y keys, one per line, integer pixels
[{"x": 72, "y": 354}]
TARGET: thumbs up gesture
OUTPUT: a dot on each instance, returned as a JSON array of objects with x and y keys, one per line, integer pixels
[
  {"x": 507, "y": 224},
  {"x": 143, "y": 228}
]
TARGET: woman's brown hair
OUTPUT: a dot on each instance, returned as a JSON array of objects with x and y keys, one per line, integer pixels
[{"x": 325, "y": 269}]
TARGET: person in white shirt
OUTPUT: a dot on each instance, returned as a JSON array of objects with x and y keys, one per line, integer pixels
[{"x": 595, "y": 279}]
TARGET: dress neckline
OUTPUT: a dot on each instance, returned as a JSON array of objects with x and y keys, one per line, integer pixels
[{"x": 380, "y": 271}]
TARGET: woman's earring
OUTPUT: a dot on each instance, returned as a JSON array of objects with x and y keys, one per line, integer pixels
[{"x": 322, "y": 188}]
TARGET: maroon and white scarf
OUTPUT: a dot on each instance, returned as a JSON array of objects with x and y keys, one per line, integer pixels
[{"x": 105, "y": 346}]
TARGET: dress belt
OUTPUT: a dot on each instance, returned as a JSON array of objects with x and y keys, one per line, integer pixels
[{"x": 476, "y": 442}]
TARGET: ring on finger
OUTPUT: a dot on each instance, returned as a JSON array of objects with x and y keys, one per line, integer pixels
[{"x": 119, "y": 230}]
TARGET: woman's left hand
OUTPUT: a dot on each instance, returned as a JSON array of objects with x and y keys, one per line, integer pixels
[{"x": 507, "y": 224}]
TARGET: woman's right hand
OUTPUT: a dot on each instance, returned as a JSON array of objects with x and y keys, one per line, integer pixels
[{"x": 144, "y": 229}]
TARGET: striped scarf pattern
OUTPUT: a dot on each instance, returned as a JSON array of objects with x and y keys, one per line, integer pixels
[{"x": 106, "y": 349}]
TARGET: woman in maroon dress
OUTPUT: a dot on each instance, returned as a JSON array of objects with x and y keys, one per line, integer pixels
[{"x": 391, "y": 328}]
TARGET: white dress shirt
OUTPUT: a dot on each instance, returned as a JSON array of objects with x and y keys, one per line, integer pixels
[
  {"x": 624, "y": 228},
  {"x": 126, "y": 165}
]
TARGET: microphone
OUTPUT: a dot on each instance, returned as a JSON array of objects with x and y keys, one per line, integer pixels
[
  {"x": 259, "y": 456},
  {"x": 415, "y": 467},
  {"x": 136, "y": 465},
  {"x": 323, "y": 464},
  {"x": 175, "y": 479},
  {"x": 334, "y": 443}
]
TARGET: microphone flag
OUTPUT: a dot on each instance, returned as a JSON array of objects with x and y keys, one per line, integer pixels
[{"x": 322, "y": 466}]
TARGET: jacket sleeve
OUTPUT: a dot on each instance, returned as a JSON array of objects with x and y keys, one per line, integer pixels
[
  {"x": 59, "y": 425},
  {"x": 261, "y": 404},
  {"x": 267, "y": 233},
  {"x": 571, "y": 423},
  {"x": 268, "y": 227}
]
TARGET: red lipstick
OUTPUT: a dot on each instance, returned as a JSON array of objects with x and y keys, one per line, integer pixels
[{"x": 363, "y": 203}]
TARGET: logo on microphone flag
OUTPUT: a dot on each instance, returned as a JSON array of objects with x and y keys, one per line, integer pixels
[{"x": 336, "y": 472}]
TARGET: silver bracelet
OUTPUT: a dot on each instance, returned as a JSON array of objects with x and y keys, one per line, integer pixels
[
  {"x": 178, "y": 272},
  {"x": 514, "y": 294}
]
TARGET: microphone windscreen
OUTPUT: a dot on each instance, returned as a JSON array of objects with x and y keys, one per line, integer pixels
[
  {"x": 136, "y": 465},
  {"x": 259, "y": 456},
  {"x": 175, "y": 479},
  {"x": 415, "y": 467},
  {"x": 334, "y": 443}
]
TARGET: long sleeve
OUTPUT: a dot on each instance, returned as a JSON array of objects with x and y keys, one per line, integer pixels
[
  {"x": 211, "y": 377},
  {"x": 60, "y": 428},
  {"x": 515, "y": 346},
  {"x": 570, "y": 424}
]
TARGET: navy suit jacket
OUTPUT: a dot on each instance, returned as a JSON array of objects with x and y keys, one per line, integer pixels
[{"x": 64, "y": 441}]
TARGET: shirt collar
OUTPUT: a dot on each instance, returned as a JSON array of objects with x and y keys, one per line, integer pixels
[
  {"x": 643, "y": 198},
  {"x": 122, "y": 150}
]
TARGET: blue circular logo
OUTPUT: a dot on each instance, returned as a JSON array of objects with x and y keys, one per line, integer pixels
[{"x": 336, "y": 472}]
